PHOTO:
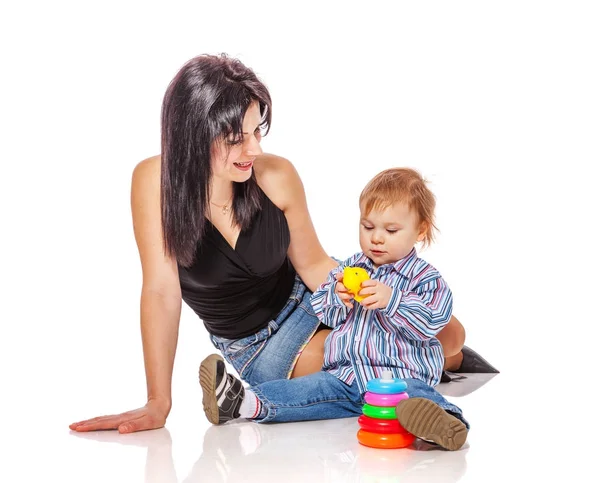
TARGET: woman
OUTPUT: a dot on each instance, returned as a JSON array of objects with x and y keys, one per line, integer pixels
[{"x": 226, "y": 228}]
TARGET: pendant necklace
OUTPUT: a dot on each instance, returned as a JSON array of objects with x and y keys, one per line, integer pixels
[{"x": 224, "y": 208}]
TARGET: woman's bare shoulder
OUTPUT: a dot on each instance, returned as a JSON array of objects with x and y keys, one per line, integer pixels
[
  {"x": 148, "y": 168},
  {"x": 145, "y": 187},
  {"x": 269, "y": 160},
  {"x": 277, "y": 177}
]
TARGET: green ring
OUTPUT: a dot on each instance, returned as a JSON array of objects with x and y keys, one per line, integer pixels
[{"x": 379, "y": 412}]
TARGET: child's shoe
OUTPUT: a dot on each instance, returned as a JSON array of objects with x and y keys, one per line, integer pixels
[
  {"x": 222, "y": 393},
  {"x": 428, "y": 421}
]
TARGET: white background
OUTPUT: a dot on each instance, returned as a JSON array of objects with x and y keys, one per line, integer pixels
[{"x": 496, "y": 103}]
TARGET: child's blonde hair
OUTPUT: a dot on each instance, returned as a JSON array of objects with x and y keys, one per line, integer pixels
[{"x": 401, "y": 185}]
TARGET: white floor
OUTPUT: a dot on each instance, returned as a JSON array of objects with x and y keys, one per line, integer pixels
[
  {"x": 512, "y": 439},
  {"x": 495, "y": 102}
]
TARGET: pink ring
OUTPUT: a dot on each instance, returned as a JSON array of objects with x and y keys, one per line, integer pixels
[{"x": 385, "y": 400}]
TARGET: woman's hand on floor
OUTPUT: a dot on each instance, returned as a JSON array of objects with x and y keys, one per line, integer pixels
[{"x": 151, "y": 416}]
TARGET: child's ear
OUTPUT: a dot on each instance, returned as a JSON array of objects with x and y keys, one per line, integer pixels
[{"x": 422, "y": 232}]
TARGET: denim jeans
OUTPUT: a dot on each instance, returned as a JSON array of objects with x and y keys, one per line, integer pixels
[
  {"x": 272, "y": 352},
  {"x": 324, "y": 396}
]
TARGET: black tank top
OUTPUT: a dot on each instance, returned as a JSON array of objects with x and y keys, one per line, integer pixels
[{"x": 236, "y": 292}]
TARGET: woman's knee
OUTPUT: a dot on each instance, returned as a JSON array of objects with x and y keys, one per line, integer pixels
[{"x": 452, "y": 337}]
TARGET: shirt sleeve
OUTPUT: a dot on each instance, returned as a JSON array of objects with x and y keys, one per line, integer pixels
[
  {"x": 423, "y": 311},
  {"x": 328, "y": 307}
]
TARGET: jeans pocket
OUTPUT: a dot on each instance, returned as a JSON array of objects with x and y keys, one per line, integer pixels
[
  {"x": 240, "y": 345},
  {"x": 239, "y": 352},
  {"x": 306, "y": 304}
]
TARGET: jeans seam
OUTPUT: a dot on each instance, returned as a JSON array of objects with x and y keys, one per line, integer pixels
[
  {"x": 294, "y": 359},
  {"x": 263, "y": 399},
  {"x": 307, "y": 310},
  {"x": 256, "y": 353},
  {"x": 257, "y": 391},
  {"x": 320, "y": 401}
]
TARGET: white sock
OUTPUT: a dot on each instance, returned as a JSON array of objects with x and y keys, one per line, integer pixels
[{"x": 251, "y": 406}]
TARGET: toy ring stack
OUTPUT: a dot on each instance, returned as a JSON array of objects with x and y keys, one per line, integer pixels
[{"x": 379, "y": 427}]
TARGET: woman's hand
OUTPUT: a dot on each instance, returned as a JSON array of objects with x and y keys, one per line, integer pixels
[
  {"x": 342, "y": 292},
  {"x": 152, "y": 416}
]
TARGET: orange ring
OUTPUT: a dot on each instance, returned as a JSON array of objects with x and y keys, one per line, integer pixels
[{"x": 384, "y": 441}]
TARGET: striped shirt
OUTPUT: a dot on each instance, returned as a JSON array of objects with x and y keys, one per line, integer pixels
[{"x": 400, "y": 337}]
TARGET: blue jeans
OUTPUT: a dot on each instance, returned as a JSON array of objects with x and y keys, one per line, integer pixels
[
  {"x": 272, "y": 352},
  {"x": 324, "y": 396}
]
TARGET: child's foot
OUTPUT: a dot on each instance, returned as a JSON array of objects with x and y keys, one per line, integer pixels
[
  {"x": 426, "y": 420},
  {"x": 222, "y": 393}
]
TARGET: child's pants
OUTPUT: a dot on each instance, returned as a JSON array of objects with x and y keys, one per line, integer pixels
[{"x": 324, "y": 396}]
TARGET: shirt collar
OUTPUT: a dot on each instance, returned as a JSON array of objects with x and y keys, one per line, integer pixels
[{"x": 403, "y": 266}]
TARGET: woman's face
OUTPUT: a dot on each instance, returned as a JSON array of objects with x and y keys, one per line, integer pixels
[{"x": 233, "y": 158}]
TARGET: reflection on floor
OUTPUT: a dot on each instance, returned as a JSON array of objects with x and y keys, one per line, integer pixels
[{"x": 316, "y": 451}]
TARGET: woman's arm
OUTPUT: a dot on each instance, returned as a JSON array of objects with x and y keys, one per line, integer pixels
[
  {"x": 280, "y": 181},
  {"x": 161, "y": 292},
  {"x": 160, "y": 308}
]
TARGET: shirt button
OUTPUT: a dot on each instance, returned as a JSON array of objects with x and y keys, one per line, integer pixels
[{"x": 356, "y": 339}]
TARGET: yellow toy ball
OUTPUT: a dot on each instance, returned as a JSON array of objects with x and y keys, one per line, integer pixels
[{"x": 353, "y": 277}]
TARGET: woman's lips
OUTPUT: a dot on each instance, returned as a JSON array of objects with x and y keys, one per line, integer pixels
[{"x": 244, "y": 166}]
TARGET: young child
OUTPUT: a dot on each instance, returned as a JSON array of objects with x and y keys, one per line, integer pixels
[{"x": 406, "y": 303}]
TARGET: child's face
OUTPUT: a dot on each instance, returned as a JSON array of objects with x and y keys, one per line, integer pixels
[{"x": 389, "y": 235}]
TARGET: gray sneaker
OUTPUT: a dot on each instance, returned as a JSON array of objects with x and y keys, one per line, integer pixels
[{"x": 222, "y": 393}]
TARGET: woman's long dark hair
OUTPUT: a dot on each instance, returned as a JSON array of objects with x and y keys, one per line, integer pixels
[{"x": 206, "y": 101}]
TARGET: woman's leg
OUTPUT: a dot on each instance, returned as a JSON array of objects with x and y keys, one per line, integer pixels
[
  {"x": 311, "y": 358},
  {"x": 452, "y": 338},
  {"x": 273, "y": 352},
  {"x": 318, "y": 396}
]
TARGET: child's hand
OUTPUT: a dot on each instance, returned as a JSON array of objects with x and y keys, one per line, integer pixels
[
  {"x": 342, "y": 291},
  {"x": 377, "y": 295}
]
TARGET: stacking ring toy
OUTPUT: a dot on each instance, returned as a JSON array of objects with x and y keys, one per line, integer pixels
[
  {"x": 375, "y": 399},
  {"x": 389, "y": 441},
  {"x": 386, "y": 386},
  {"x": 379, "y": 412},
  {"x": 373, "y": 425}
]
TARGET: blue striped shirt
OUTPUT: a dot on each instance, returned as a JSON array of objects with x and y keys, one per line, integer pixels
[{"x": 400, "y": 337}]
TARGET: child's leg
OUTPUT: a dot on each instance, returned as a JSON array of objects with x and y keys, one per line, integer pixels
[
  {"x": 428, "y": 415},
  {"x": 316, "y": 396}
]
